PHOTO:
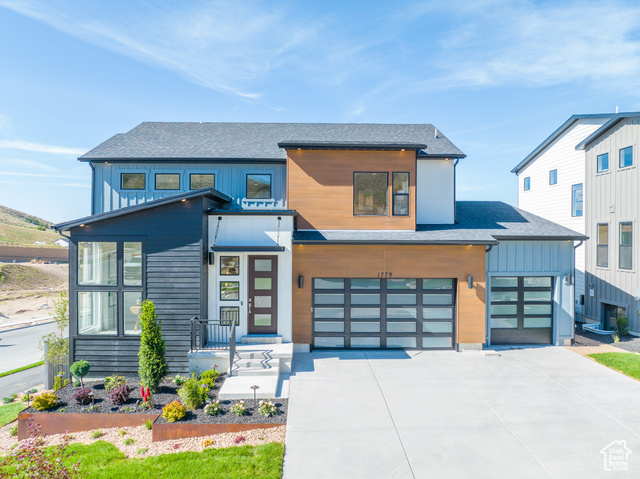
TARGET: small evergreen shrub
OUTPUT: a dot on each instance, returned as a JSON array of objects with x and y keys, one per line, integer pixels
[
  {"x": 80, "y": 369},
  {"x": 45, "y": 401},
  {"x": 83, "y": 396},
  {"x": 209, "y": 377},
  {"x": 174, "y": 411},
  {"x": 120, "y": 395},
  {"x": 622, "y": 325},
  {"x": 213, "y": 408},
  {"x": 152, "y": 367},
  {"x": 112, "y": 382},
  {"x": 192, "y": 393}
]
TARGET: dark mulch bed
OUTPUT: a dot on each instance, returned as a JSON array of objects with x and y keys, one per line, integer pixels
[
  {"x": 587, "y": 338},
  {"x": 167, "y": 392}
]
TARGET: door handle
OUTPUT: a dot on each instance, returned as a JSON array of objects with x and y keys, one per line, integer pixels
[{"x": 249, "y": 305}]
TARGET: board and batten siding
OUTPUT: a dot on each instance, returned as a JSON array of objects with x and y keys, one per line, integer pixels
[
  {"x": 614, "y": 198},
  {"x": 553, "y": 202},
  {"x": 175, "y": 280},
  {"x": 537, "y": 258},
  {"x": 230, "y": 179}
]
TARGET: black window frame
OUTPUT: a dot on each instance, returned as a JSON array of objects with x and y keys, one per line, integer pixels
[
  {"x": 620, "y": 165},
  {"x": 527, "y": 183},
  {"x": 246, "y": 185},
  {"x": 553, "y": 174},
  {"x": 620, "y": 245},
  {"x": 132, "y": 173},
  {"x": 155, "y": 181},
  {"x": 598, "y": 163},
  {"x": 573, "y": 202},
  {"x": 602, "y": 247},
  {"x": 201, "y": 174},
  {"x": 386, "y": 173},
  {"x": 394, "y": 195}
]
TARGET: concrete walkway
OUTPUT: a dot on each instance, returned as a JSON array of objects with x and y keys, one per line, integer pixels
[{"x": 530, "y": 413}]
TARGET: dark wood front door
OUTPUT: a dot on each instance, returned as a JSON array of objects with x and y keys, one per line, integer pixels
[{"x": 263, "y": 294}]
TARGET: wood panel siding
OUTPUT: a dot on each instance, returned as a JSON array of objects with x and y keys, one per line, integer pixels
[
  {"x": 175, "y": 280},
  {"x": 420, "y": 261},
  {"x": 321, "y": 187}
]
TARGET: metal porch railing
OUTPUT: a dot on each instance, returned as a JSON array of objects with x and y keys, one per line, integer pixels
[{"x": 215, "y": 334}]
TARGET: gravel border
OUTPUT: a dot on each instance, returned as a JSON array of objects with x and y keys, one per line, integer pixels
[{"x": 586, "y": 338}]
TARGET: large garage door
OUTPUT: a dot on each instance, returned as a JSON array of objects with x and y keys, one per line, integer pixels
[
  {"x": 383, "y": 313},
  {"x": 521, "y": 310}
]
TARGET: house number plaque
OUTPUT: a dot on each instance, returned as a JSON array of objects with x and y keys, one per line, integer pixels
[{"x": 385, "y": 274}]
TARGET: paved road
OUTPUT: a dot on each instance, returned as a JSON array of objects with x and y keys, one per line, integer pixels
[
  {"x": 530, "y": 413},
  {"x": 19, "y": 347},
  {"x": 22, "y": 381}
]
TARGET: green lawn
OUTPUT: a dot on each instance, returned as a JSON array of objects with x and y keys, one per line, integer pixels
[
  {"x": 102, "y": 460},
  {"x": 23, "y": 368},
  {"x": 9, "y": 412},
  {"x": 626, "y": 363}
]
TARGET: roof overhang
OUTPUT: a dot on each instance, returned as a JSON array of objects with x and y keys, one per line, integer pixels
[
  {"x": 604, "y": 128},
  {"x": 400, "y": 242},
  {"x": 256, "y": 212},
  {"x": 319, "y": 145},
  {"x": 151, "y": 159}
]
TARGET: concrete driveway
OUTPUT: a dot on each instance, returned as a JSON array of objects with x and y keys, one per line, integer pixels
[{"x": 528, "y": 413}]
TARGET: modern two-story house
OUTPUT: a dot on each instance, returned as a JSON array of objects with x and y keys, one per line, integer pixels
[{"x": 325, "y": 236}]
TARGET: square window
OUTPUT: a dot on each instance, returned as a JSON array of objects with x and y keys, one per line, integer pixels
[
  {"x": 603, "y": 162},
  {"x": 626, "y": 157},
  {"x": 97, "y": 263},
  {"x": 201, "y": 180},
  {"x": 229, "y": 290},
  {"x": 370, "y": 195},
  {"x": 576, "y": 200},
  {"x": 553, "y": 177},
  {"x": 228, "y": 314},
  {"x": 527, "y": 183},
  {"x": 229, "y": 265},
  {"x": 132, "y": 181},
  {"x": 259, "y": 186},
  {"x": 97, "y": 312},
  {"x": 167, "y": 181}
]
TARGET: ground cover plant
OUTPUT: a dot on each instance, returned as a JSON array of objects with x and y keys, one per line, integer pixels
[{"x": 626, "y": 363}]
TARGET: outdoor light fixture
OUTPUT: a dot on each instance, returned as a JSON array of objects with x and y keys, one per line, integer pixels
[
  {"x": 184, "y": 199},
  {"x": 300, "y": 281},
  {"x": 470, "y": 282}
]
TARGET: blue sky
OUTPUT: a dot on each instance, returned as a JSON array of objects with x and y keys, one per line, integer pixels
[{"x": 497, "y": 77}]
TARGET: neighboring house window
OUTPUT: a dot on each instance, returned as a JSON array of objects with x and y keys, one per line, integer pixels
[
  {"x": 576, "y": 200},
  {"x": 201, "y": 180},
  {"x": 626, "y": 157},
  {"x": 401, "y": 194},
  {"x": 527, "y": 183},
  {"x": 132, "y": 181},
  {"x": 626, "y": 242},
  {"x": 370, "y": 194},
  {"x": 602, "y": 254},
  {"x": 102, "y": 286},
  {"x": 603, "y": 162},
  {"x": 553, "y": 177},
  {"x": 259, "y": 186},
  {"x": 167, "y": 181}
]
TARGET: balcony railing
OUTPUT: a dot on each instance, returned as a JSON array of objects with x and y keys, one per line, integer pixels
[{"x": 215, "y": 334}]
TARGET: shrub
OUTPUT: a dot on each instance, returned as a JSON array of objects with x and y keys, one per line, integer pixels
[
  {"x": 239, "y": 408},
  {"x": 267, "y": 408},
  {"x": 193, "y": 393},
  {"x": 128, "y": 441},
  {"x": 80, "y": 369},
  {"x": 13, "y": 430},
  {"x": 179, "y": 380},
  {"x": 59, "y": 382},
  {"x": 213, "y": 408},
  {"x": 622, "y": 325},
  {"x": 112, "y": 382},
  {"x": 152, "y": 366},
  {"x": 45, "y": 401},
  {"x": 7, "y": 400},
  {"x": 83, "y": 396},
  {"x": 208, "y": 442},
  {"x": 209, "y": 377},
  {"x": 148, "y": 424},
  {"x": 122, "y": 432},
  {"x": 97, "y": 434},
  {"x": 239, "y": 438},
  {"x": 174, "y": 411},
  {"x": 27, "y": 397},
  {"x": 120, "y": 395}
]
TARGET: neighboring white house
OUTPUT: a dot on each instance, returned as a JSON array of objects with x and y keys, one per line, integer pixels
[
  {"x": 551, "y": 183},
  {"x": 63, "y": 242}
]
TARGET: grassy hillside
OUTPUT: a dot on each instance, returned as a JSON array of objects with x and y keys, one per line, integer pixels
[
  {"x": 15, "y": 277},
  {"x": 20, "y": 228}
]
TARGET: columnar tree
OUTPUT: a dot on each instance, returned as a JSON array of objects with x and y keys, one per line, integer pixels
[{"x": 152, "y": 366}]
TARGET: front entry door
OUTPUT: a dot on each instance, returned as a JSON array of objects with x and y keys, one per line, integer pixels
[{"x": 263, "y": 295}]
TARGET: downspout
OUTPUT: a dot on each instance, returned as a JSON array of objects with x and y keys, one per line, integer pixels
[
  {"x": 487, "y": 336},
  {"x": 575, "y": 247},
  {"x": 578, "y": 245},
  {"x": 455, "y": 163},
  {"x": 93, "y": 188}
]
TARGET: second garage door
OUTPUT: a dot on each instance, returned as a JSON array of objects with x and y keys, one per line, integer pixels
[{"x": 374, "y": 313}]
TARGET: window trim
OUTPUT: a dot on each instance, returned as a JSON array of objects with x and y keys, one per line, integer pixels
[
  {"x": 155, "y": 181},
  {"x": 598, "y": 170},
  {"x": 599, "y": 245},
  {"x": 393, "y": 195},
  {"x": 192, "y": 174},
  {"x": 620, "y": 245},
  {"x": 354, "y": 192},
  {"x": 527, "y": 183},
  {"x": 555, "y": 170},
  {"x": 122, "y": 173},
  {"x": 246, "y": 185},
  {"x": 573, "y": 208},
  {"x": 620, "y": 157}
]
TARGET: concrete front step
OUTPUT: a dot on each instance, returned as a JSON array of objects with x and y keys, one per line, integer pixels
[
  {"x": 255, "y": 363},
  {"x": 257, "y": 371},
  {"x": 261, "y": 339},
  {"x": 239, "y": 387}
]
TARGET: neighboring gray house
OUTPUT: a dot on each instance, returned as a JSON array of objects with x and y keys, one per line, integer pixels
[{"x": 612, "y": 205}]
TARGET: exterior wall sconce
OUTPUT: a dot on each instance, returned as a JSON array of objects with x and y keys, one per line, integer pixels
[
  {"x": 568, "y": 279},
  {"x": 470, "y": 282},
  {"x": 300, "y": 281}
]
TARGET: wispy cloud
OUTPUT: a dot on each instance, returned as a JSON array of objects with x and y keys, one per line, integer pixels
[
  {"x": 26, "y": 163},
  {"x": 43, "y": 175},
  {"x": 31, "y": 183},
  {"x": 41, "y": 148}
]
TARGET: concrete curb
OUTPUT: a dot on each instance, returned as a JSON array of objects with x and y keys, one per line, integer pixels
[{"x": 25, "y": 324}]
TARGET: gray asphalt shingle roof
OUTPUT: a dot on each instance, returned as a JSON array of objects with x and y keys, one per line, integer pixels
[
  {"x": 259, "y": 141},
  {"x": 478, "y": 222}
]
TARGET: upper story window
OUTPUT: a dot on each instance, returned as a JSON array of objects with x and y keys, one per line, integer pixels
[
  {"x": 553, "y": 177},
  {"x": 602, "y": 253},
  {"x": 626, "y": 157},
  {"x": 527, "y": 183},
  {"x": 132, "y": 181},
  {"x": 201, "y": 180},
  {"x": 370, "y": 194},
  {"x": 400, "y": 194},
  {"x": 167, "y": 181},
  {"x": 258, "y": 186},
  {"x": 603, "y": 162},
  {"x": 626, "y": 245},
  {"x": 576, "y": 200}
]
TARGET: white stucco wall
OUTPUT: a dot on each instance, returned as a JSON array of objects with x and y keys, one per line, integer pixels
[{"x": 435, "y": 192}]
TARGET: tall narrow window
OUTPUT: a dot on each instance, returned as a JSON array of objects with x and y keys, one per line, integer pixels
[
  {"x": 603, "y": 162},
  {"x": 626, "y": 245},
  {"x": 626, "y": 157},
  {"x": 167, "y": 181},
  {"x": 370, "y": 195},
  {"x": 259, "y": 186},
  {"x": 602, "y": 254},
  {"x": 576, "y": 200},
  {"x": 401, "y": 194},
  {"x": 132, "y": 181},
  {"x": 553, "y": 177},
  {"x": 527, "y": 183}
]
